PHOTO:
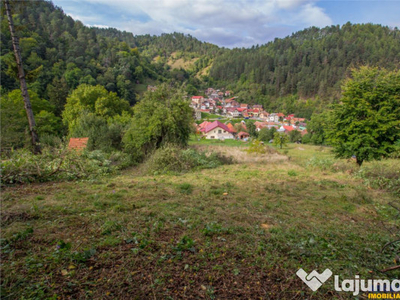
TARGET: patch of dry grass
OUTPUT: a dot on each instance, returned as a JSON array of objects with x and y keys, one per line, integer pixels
[{"x": 240, "y": 155}]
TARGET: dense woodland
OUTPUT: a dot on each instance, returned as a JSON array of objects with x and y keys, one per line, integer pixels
[
  {"x": 312, "y": 62},
  {"x": 299, "y": 74}
]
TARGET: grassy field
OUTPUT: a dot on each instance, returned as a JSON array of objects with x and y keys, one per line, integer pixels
[
  {"x": 206, "y": 116},
  {"x": 240, "y": 231},
  {"x": 196, "y": 140}
]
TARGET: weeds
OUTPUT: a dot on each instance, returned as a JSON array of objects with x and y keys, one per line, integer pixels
[{"x": 174, "y": 159}]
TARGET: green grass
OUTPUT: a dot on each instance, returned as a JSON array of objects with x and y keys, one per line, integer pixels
[
  {"x": 197, "y": 140},
  {"x": 239, "y": 231},
  {"x": 210, "y": 116}
]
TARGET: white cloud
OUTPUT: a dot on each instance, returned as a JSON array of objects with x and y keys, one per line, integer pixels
[
  {"x": 290, "y": 4},
  {"x": 100, "y": 26},
  {"x": 224, "y": 22},
  {"x": 314, "y": 16}
]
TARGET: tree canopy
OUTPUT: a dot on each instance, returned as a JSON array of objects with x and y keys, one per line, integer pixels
[
  {"x": 162, "y": 116},
  {"x": 366, "y": 123},
  {"x": 92, "y": 99}
]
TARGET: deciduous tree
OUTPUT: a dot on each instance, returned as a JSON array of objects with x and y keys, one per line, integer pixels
[
  {"x": 367, "y": 121},
  {"x": 161, "y": 117},
  {"x": 280, "y": 139}
]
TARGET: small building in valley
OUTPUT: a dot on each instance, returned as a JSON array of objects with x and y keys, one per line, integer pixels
[{"x": 217, "y": 130}]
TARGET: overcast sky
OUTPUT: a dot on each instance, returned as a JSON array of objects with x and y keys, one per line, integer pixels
[{"x": 228, "y": 23}]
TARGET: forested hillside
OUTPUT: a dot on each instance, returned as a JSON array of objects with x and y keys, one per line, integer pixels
[
  {"x": 309, "y": 63},
  {"x": 60, "y": 53},
  {"x": 297, "y": 74}
]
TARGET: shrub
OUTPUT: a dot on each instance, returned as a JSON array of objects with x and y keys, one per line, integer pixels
[
  {"x": 172, "y": 158},
  {"x": 322, "y": 163},
  {"x": 50, "y": 140},
  {"x": 256, "y": 146}
]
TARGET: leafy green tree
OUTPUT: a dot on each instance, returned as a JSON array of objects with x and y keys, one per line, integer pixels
[
  {"x": 92, "y": 99},
  {"x": 252, "y": 129},
  {"x": 73, "y": 75},
  {"x": 280, "y": 139},
  {"x": 57, "y": 93},
  {"x": 96, "y": 129},
  {"x": 14, "y": 123},
  {"x": 318, "y": 126},
  {"x": 306, "y": 139},
  {"x": 266, "y": 134},
  {"x": 367, "y": 121},
  {"x": 295, "y": 136},
  {"x": 161, "y": 117}
]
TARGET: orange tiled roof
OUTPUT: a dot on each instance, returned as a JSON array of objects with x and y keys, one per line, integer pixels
[
  {"x": 231, "y": 128},
  {"x": 78, "y": 143}
]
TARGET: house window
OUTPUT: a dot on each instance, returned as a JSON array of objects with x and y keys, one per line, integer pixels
[
  {"x": 212, "y": 137},
  {"x": 219, "y": 131}
]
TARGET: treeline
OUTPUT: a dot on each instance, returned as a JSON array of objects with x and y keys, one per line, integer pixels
[{"x": 309, "y": 63}]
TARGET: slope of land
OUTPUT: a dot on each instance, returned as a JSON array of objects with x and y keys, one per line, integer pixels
[{"x": 239, "y": 231}]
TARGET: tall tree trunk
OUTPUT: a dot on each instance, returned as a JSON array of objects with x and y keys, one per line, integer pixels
[{"x": 21, "y": 75}]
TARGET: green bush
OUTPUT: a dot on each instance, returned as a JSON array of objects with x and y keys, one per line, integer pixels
[
  {"x": 50, "y": 140},
  {"x": 321, "y": 163},
  {"x": 257, "y": 147},
  {"x": 172, "y": 158},
  {"x": 58, "y": 164}
]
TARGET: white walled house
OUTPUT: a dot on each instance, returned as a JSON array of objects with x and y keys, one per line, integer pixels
[{"x": 217, "y": 130}]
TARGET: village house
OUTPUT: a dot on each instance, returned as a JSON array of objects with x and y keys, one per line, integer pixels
[
  {"x": 231, "y": 128},
  {"x": 209, "y": 91},
  {"x": 235, "y": 113},
  {"x": 264, "y": 115},
  {"x": 274, "y": 117},
  {"x": 197, "y": 99},
  {"x": 243, "y": 135},
  {"x": 78, "y": 144},
  {"x": 295, "y": 121},
  {"x": 217, "y": 130},
  {"x": 231, "y": 103},
  {"x": 253, "y": 112},
  {"x": 228, "y": 93},
  {"x": 288, "y": 129}
]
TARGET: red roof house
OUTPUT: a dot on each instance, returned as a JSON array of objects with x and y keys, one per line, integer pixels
[
  {"x": 231, "y": 128},
  {"x": 217, "y": 130},
  {"x": 210, "y": 126},
  {"x": 288, "y": 128},
  {"x": 78, "y": 143},
  {"x": 242, "y": 135}
]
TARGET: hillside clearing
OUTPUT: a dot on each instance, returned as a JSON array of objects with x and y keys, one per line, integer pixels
[{"x": 239, "y": 231}]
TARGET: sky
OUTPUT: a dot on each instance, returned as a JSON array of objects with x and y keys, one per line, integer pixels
[{"x": 229, "y": 23}]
